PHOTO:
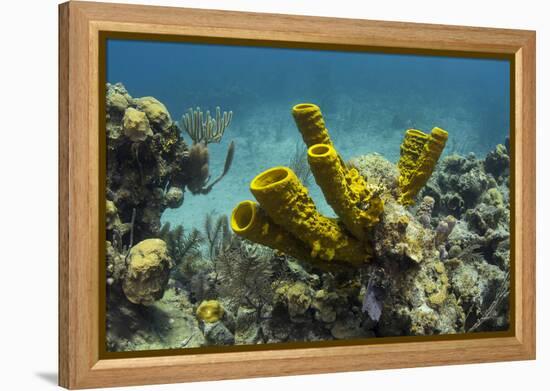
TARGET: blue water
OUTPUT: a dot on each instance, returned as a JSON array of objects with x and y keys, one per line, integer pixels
[{"x": 368, "y": 100}]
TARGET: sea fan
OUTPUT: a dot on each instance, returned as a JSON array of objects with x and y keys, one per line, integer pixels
[
  {"x": 180, "y": 245},
  {"x": 245, "y": 274},
  {"x": 218, "y": 235},
  {"x": 298, "y": 163}
]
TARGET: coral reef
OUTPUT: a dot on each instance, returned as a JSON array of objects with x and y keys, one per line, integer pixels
[
  {"x": 358, "y": 203},
  {"x": 149, "y": 164},
  {"x": 278, "y": 270},
  {"x": 477, "y": 251},
  {"x": 149, "y": 168},
  {"x": 413, "y": 284}
]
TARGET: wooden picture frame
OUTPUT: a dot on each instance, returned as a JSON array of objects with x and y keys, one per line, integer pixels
[{"x": 81, "y": 24}]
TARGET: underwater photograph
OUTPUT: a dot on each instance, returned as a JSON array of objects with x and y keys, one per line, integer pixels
[{"x": 264, "y": 195}]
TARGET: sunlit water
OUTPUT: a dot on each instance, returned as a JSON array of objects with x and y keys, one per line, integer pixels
[{"x": 368, "y": 101}]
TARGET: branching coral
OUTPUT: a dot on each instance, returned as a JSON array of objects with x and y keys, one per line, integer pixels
[{"x": 206, "y": 130}]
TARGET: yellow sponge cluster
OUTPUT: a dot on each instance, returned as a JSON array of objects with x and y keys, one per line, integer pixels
[
  {"x": 284, "y": 198},
  {"x": 419, "y": 155},
  {"x": 286, "y": 218}
]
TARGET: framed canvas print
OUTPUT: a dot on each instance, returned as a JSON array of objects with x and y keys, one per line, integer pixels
[{"x": 248, "y": 195}]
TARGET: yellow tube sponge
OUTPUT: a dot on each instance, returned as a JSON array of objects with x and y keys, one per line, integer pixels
[
  {"x": 287, "y": 202},
  {"x": 311, "y": 124},
  {"x": 210, "y": 311},
  {"x": 249, "y": 221},
  {"x": 345, "y": 190},
  {"x": 419, "y": 155}
]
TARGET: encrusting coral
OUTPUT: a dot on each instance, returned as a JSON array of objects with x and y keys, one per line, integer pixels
[
  {"x": 377, "y": 170},
  {"x": 136, "y": 125},
  {"x": 156, "y": 112}
]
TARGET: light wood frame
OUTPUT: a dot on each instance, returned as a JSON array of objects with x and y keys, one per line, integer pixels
[{"x": 80, "y": 24}]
